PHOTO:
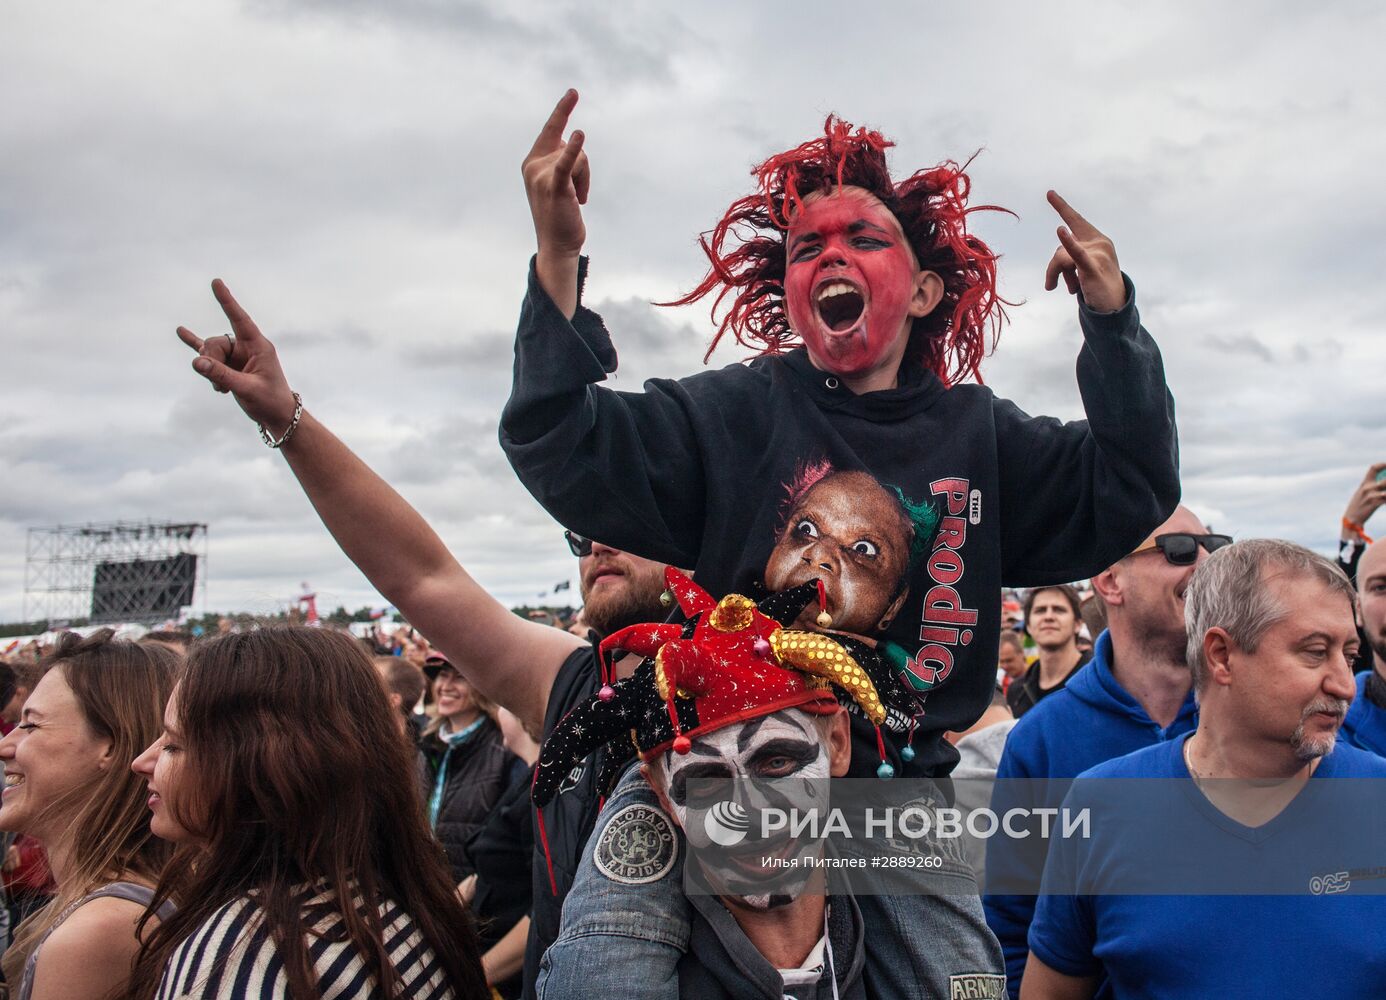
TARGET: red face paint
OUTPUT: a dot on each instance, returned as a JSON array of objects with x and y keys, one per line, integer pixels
[{"x": 850, "y": 278}]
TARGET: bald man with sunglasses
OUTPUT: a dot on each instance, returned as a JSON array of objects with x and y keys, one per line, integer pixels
[{"x": 1135, "y": 692}]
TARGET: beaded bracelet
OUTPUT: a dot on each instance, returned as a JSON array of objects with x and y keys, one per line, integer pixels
[{"x": 268, "y": 438}]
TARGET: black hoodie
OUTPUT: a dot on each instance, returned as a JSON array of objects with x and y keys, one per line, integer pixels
[{"x": 707, "y": 473}]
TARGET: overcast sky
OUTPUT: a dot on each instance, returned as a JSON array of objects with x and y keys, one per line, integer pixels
[{"x": 353, "y": 174}]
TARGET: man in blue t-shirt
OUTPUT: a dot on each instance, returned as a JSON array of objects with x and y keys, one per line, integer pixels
[
  {"x": 1165, "y": 897},
  {"x": 1134, "y": 693},
  {"x": 1365, "y": 725}
]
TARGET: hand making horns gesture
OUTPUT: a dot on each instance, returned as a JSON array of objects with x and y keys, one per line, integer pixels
[
  {"x": 556, "y": 178},
  {"x": 245, "y": 364},
  {"x": 1086, "y": 259}
]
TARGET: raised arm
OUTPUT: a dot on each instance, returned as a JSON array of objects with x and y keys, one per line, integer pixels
[
  {"x": 1077, "y": 497},
  {"x": 1369, "y": 495},
  {"x": 509, "y": 660},
  {"x": 1086, "y": 259},
  {"x": 622, "y": 467}
]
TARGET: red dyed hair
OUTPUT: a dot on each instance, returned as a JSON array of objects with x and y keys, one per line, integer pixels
[
  {"x": 807, "y": 475},
  {"x": 747, "y": 249}
]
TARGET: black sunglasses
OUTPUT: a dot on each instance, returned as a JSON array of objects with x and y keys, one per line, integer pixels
[
  {"x": 579, "y": 545},
  {"x": 1180, "y": 548}
]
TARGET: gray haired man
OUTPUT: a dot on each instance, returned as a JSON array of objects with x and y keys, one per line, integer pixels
[{"x": 1271, "y": 641}]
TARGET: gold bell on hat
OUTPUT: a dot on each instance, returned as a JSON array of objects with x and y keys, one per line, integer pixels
[{"x": 824, "y": 620}]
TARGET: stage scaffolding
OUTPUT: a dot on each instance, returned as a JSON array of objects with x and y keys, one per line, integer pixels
[{"x": 119, "y": 571}]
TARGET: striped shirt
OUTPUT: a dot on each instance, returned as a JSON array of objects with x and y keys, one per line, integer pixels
[{"x": 232, "y": 957}]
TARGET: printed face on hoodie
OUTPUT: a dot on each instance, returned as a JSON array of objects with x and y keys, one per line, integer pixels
[{"x": 848, "y": 531}]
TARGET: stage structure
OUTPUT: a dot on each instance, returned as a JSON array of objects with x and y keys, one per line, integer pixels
[{"x": 120, "y": 571}]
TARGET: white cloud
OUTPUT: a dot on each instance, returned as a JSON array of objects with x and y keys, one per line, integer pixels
[{"x": 352, "y": 171}]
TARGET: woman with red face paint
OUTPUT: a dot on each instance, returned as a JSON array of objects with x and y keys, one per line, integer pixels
[{"x": 870, "y": 304}]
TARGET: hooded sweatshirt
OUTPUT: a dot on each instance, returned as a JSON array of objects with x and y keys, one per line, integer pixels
[
  {"x": 920, "y": 501},
  {"x": 722, "y": 962},
  {"x": 1091, "y": 720},
  {"x": 1365, "y": 725}
]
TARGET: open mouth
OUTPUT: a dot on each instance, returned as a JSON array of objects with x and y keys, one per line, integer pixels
[
  {"x": 840, "y": 305},
  {"x": 13, "y": 780},
  {"x": 806, "y": 570}
]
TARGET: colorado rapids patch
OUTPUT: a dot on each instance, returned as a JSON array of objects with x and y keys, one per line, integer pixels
[{"x": 637, "y": 845}]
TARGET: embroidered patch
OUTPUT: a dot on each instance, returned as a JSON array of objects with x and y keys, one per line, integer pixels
[
  {"x": 637, "y": 845},
  {"x": 983, "y": 985}
]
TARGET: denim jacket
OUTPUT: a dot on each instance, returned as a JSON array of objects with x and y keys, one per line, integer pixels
[{"x": 632, "y": 932}]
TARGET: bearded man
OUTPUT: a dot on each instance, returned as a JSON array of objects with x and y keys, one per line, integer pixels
[{"x": 1365, "y": 725}]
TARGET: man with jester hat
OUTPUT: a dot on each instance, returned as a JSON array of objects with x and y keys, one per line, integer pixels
[{"x": 731, "y": 694}]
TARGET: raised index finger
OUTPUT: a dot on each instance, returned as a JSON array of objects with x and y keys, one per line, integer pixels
[
  {"x": 552, "y": 132},
  {"x": 1078, "y": 225},
  {"x": 241, "y": 324}
]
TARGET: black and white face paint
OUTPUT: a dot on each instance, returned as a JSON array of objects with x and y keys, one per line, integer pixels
[{"x": 778, "y": 761}]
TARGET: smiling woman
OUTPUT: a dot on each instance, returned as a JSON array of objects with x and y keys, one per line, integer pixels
[
  {"x": 305, "y": 867},
  {"x": 467, "y": 764},
  {"x": 68, "y": 785}
]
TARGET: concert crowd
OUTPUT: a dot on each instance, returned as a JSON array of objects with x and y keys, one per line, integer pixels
[{"x": 845, "y": 562}]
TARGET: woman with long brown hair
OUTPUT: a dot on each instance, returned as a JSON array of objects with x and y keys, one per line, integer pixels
[
  {"x": 68, "y": 785},
  {"x": 305, "y": 868}
]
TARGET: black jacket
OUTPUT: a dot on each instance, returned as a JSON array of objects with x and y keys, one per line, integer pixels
[
  {"x": 1026, "y": 693},
  {"x": 569, "y": 818},
  {"x": 695, "y": 472},
  {"x": 1349, "y": 555},
  {"x": 476, "y": 776},
  {"x": 503, "y": 852}
]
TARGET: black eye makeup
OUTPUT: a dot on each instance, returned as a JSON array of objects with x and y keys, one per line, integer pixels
[
  {"x": 783, "y": 756},
  {"x": 678, "y": 786}
]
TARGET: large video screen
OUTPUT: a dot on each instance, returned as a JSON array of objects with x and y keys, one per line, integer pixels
[{"x": 143, "y": 589}]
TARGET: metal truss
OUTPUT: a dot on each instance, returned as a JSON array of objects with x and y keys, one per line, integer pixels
[{"x": 120, "y": 571}]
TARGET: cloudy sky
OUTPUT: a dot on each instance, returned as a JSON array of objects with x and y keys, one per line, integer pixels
[{"x": 353, "y": 174}]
